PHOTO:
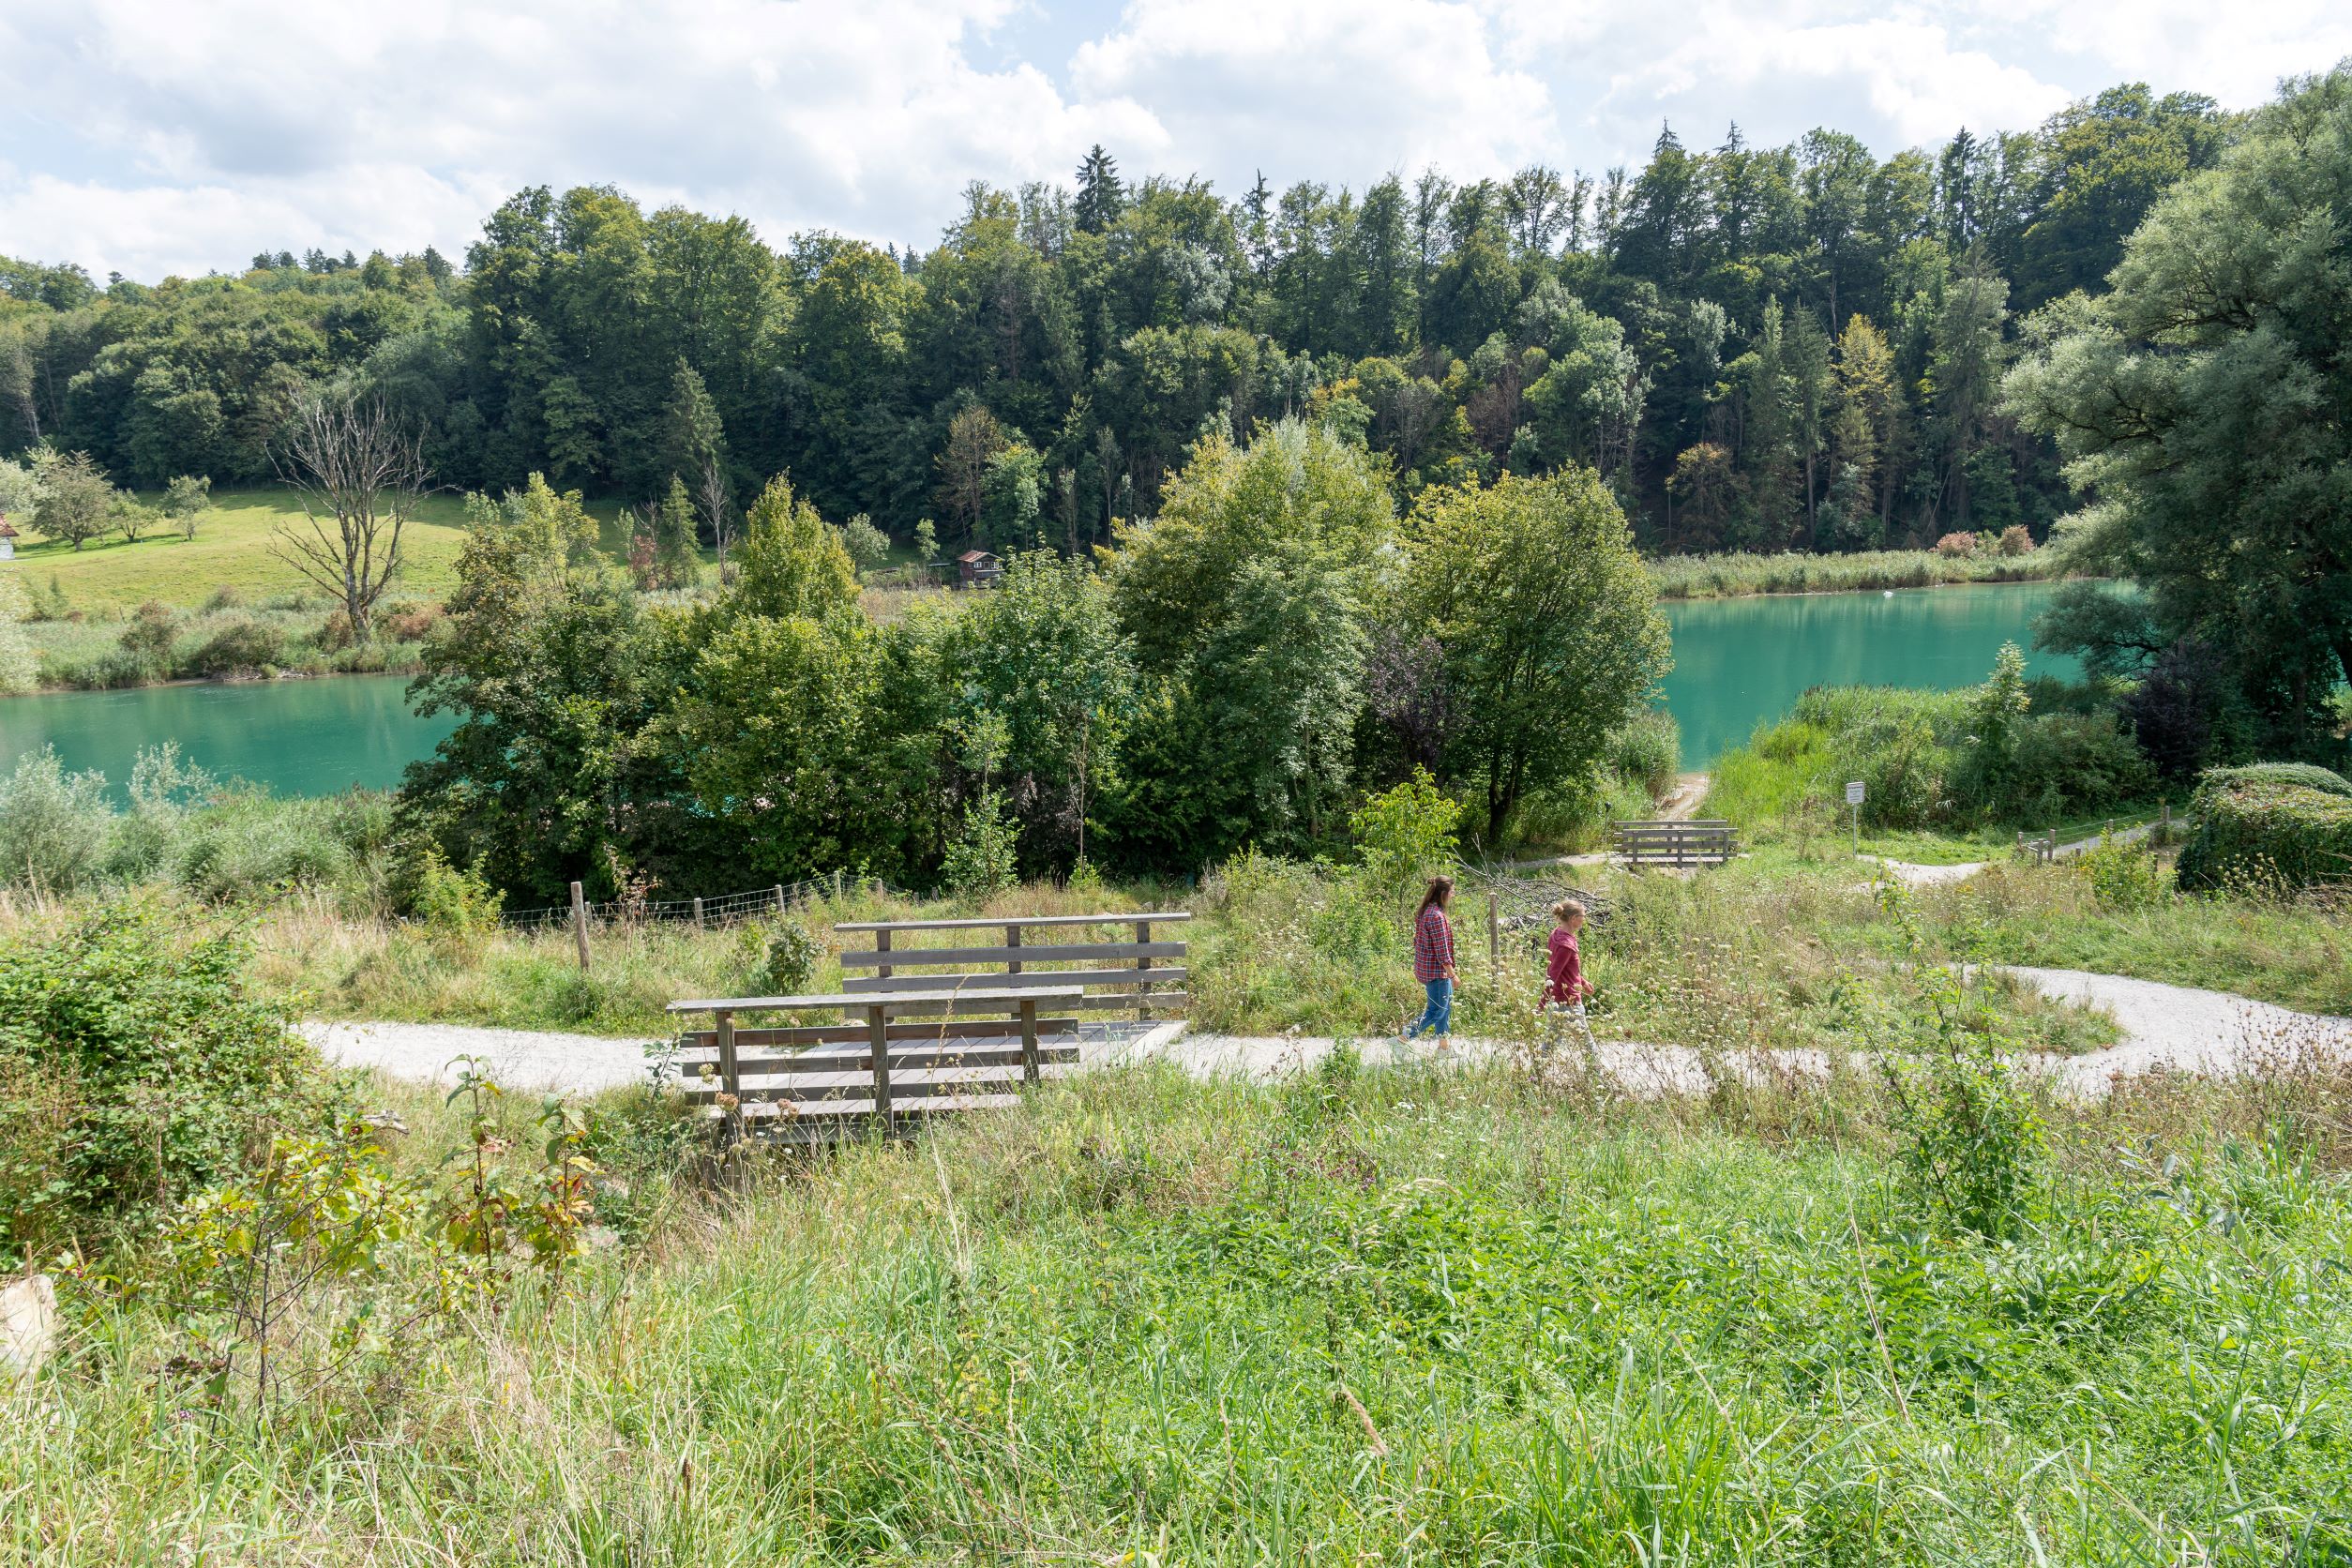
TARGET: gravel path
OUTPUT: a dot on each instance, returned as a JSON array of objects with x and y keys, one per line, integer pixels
[
  {"x": 2177, "y": 1028},
  {"x": 1916, "y": 875}
]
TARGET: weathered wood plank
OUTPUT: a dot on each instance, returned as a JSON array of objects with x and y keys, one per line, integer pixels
[
  {"x": 888, "y": 959},
  {"x": 933, "y": 989},
  {"x": 999, "y": 923},
  {"x": 948, "y": 987},
  {"x": 952, "y": 1033}
]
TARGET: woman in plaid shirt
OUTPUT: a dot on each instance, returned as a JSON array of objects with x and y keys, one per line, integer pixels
[{"x": 1433, "y": 962}]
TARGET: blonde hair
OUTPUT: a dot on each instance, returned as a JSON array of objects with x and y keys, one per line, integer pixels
[{"x": 1566, "y": 907}]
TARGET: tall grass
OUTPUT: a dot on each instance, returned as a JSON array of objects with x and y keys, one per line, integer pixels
[{"x": 1390, "y": 1316}]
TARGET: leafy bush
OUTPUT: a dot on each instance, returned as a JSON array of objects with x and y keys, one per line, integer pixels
[
  {"x": 794, "y": 954},
  {"x": 1405, "y": 835},
  {"x": 979, "y": 861},
  {"x": 149, "y": 636},
  {"x": 166, "y": 1065},
  {"x": 453, "y": 903},
  {"x": 54, "y": 825},
  {"x": 2304, "y": 775},
  {"x": 2125, "y": 876},
  {"x": 2015, "y": 540},
  {"x": 2251, "y": 830},
  {"x": 1957, "y": 546},
  {"x": 243, "y": 643}
]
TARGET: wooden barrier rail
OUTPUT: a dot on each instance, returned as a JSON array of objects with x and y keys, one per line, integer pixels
[
  {"x": 1702, "y": 842},
  {"x": 802, "y": 1083},
  {"x": 1101, "y": 969}
]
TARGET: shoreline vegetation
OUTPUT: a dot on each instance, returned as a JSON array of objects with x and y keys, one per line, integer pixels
[
  {"x": 231, "y": 635},
  {"x": 1745, "y": 575}
]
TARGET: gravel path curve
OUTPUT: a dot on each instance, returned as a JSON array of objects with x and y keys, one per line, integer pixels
[{"x": 2177, "y": 1027}]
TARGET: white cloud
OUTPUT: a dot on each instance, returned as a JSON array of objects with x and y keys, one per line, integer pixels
[{"x": 158, "y": 135}]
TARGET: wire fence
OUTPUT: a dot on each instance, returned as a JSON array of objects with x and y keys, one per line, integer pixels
[{"x": 721, "y": 909}]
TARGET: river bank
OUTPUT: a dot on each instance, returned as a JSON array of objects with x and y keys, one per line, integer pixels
[{"x": 1790, "y": 572}]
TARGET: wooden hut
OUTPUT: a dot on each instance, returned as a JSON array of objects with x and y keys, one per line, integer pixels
[{"x": 977, "y": 568}]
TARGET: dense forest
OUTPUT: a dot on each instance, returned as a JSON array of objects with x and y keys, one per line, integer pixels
[{"x": 1780, "y": 347}]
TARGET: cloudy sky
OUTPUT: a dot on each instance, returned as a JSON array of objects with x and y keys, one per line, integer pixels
[{"x": 157, "y": 136}]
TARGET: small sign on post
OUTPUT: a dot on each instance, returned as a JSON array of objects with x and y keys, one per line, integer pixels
[{"x": 1853, "y": 808}]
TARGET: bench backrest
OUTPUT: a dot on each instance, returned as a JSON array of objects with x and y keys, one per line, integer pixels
[
  {"x": 1704, "y": 839},
  {"x": 831, "y": 1070},
  {"x": 1138, "y": 970}
]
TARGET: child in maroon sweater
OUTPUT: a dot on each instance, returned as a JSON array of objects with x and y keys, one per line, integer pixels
[{"x": 1566, "y": 986}]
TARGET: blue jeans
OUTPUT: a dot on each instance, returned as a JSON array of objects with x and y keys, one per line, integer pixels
[{"x": 1438, "y": 1018}]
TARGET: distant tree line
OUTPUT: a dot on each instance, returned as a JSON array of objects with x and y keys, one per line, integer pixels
[{"x": 1754, "y": 347}]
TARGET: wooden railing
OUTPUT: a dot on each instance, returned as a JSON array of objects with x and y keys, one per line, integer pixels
[
  {"x": 1143, "y": 969},
  {"x": 1706, "y": 842},
  {"x": 973, "y": 1046}
]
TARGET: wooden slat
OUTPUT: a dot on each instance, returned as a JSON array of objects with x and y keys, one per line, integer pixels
[
  {"x": 930, "y": 989},
  {"x": 855, "y": 1034},
  {"x": 936, "y": 985},
  {"x": 990, "y": 1098},
  {"x": 913, "y": 957},
  {"x": 860, "y": 1086},
  {"x": 900, "y": 1060},
  {"x": 1154, "y": 916}
]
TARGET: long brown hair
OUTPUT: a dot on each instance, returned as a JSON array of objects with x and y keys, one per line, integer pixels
[{"x": 1440, "y": 889}]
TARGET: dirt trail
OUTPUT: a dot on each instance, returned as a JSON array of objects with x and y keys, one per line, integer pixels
[{"x": 1682, "y": 801}]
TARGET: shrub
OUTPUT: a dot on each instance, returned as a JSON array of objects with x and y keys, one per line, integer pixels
[
  {"x": 168, "y": 1067},
  {"x": 227, "y": 596},
  {"x": 1956, "y": 547},
  {"x": 2015, "y": 540},
  {"x": 409, "y": 623},
  {"x": 454, "y": 904},
  {"x": 794, "y": 954},
  {"x": 2305, "y": 776},
  {"x": 335, "y": 633},
  {"x": 1405, "y": 835},
  {"x": 246, "y": 843},
  {"x": 2256, "y": 832},
  {"x": 2125, "y": 876},
  {"x": 54, "y": 825},
  {"x": 243, "y": 643},
  {"x": 979, "y": 861},
  {"x": 149, "y": 636},
  {"x": 2068, "y": 764}
]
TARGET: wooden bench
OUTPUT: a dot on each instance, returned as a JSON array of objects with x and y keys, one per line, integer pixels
[
  {"x": 969, "y": 1047},
  {"x": 1703, "y": 842},
  {"x": 1142, "y": 969}
]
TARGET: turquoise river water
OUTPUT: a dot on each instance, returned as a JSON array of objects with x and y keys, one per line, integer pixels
[{"x": 1737, "y": 662}]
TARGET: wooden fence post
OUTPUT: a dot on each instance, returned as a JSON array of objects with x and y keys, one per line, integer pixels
[
  {"x": 878, "y": 1037},
  {"x": 779, "y": 900},
  {"x": 1030, "y": 1073},
  {"x": 698, "y": 914},
  {"x": 579, "y": 925},
  {"x": 1494, "y": 939},
  {"x": 1012, "y": 938},
  {"x": 1143, "y": 964},
  {"x": 881, "y": 944}
]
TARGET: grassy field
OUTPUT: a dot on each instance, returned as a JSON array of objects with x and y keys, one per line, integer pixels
[
  {"x": 231, "y": 549},
  {"x": 1389, "y": 1316}
]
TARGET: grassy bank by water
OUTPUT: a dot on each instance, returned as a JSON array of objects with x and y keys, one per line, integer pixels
[{"x": 1737, "y": 575}]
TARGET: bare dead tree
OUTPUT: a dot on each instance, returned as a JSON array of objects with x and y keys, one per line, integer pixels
[
  {"x": 715, "y": 495},
  {"x": 359, "y": 473}
]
